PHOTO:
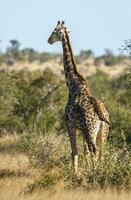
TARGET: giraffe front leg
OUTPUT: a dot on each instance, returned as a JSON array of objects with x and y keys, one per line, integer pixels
[{"x": 72, "y": 136}]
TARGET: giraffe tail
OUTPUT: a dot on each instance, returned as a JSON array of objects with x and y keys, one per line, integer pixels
[{"x": 92, "y": 148}]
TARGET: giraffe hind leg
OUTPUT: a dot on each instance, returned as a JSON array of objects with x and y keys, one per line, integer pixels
[
  {"x": 86, "y": 149},
  {"x": 102, "y": 138},
  {"x": 90, "y": 139},
  {"x": 90, "y": 142}
]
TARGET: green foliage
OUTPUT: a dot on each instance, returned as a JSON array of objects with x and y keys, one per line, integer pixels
[
  {"x": 100, "y": 85},
  {"x": 109, "y": 59},
  {"x": 112, "y": 172},
  {"x": 41, "y": 102},
  {"x": 51, "y": 154},
  {"x": 8, "y": 101},
  {"x": 84, "y": 55},
  {"x": 116, "y": 95},
  {"x": 33, "y": 102},
  {"x": 46, "y": 150}
]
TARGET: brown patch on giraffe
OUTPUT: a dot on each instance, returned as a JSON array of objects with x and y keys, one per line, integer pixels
[{"x": 82, "y": 110}]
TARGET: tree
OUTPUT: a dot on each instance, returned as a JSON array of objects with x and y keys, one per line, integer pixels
[
  {"x": 126, "y": 47},
  {"x": 15, "y": 44},
  {"x": 108, "y": 52},
  {"x": 12, "y": 52},
  {"x": 29, "y": 54},
  {"x": 86, "y": 54}
]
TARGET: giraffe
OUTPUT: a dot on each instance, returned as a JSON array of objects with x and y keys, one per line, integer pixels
[{"x": 83, "y": 111}]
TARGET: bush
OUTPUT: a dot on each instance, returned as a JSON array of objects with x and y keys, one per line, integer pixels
[
  {"x": 33, "y": 102},
  {"x": 51, "y": 154},
  {"x": 46, "y": 151},
  {"x": 114, "y": 94},
  {"x": 8, "y": 100}
]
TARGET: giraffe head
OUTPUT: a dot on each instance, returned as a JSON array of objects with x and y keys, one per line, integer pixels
[{"x": 58, "y": 33}]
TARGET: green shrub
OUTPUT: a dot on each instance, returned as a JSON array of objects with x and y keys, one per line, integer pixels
[
  {"x": 51, "y": 154},
  {"x": 45, "y": 151},
  {"x": 8, "y": 100},
  {"x": 116, "y": 95},
  {"x": 33, "y": 102}
]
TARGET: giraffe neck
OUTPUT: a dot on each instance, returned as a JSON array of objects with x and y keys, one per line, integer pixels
[{"x": 69, "y": 61}]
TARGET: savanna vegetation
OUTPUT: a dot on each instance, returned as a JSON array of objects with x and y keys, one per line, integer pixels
[
  {"x": 14, "y": 53},
  {"x": 32, "y": 125}
]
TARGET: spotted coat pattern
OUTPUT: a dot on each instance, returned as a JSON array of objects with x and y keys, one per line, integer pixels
[{"x": 83, "y": 111}]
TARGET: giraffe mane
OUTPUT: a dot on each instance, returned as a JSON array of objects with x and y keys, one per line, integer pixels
[{"x": 72, "y": 57}]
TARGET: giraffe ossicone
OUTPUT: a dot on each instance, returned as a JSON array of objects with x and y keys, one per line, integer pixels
[{"x": 83, "y": 111}]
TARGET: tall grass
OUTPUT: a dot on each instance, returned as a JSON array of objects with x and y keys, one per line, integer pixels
[
  {"x": 32, "y": 105},
  {"x": 51, "y": 154}
]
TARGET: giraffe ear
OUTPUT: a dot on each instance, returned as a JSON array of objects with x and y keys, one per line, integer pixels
[
  {"x": 62, "y": 23},
  {"x": 58, "y": 23}
]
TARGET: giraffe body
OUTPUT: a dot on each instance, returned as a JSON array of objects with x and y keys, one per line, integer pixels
[
  {"x": 82, "y": 111},
  {"x": 81, "y": 114}
]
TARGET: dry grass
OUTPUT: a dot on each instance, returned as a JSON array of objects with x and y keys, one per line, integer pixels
[
  {"x": 15, "y": 170},
  {"x": 78, "y": 195},
  {"x": 86, "y": 68},
  {"x": 14, "y": 189},
  {"x": 16, "y": 174}
]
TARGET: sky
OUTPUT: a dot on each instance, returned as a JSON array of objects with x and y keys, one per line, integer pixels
[{"x": 94, "y": 24}]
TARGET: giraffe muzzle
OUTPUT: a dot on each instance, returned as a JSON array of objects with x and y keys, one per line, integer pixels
[{"x": 49, "y": 41}]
